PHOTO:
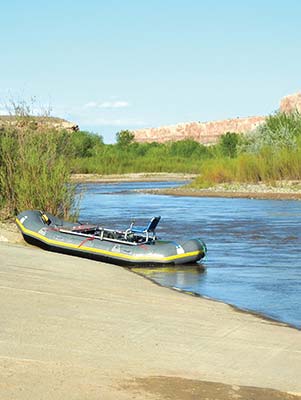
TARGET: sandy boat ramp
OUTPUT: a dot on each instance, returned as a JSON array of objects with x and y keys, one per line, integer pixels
[{"x": 78, "y": 329}]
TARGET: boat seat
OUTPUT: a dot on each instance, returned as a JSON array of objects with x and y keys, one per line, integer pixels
[{"x": 148, "y": 231}]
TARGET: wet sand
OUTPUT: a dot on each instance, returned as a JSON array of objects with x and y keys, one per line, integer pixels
[
  {"x": 79, "y": 329},
  {"x": 255, "y": 194}
]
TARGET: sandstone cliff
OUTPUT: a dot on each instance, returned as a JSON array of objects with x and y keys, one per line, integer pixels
[
  {"x": 291, "y": 103},
  {"x": 203, "y": 132},
  {"x": 52, "y": 122},
  {"x": 209, "y": 132}
]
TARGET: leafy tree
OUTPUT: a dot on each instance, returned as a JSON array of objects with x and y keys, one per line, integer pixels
[
  {"x": 183, "y": 148},
  {"x": 279, "y": 131},
  {"x": 228, "y": 144},
  {"x": 124, "y": 138},
  {"x": 85, "y": 143}
]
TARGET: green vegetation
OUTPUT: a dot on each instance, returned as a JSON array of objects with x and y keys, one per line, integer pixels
[
  {"x": 124, "y": 138},
  {"x": 229, "y": 143},
  {"x": 280, "y": 131},
  {"x": 85, "y": 144},
  {"x": 34, "y": 169},
  {"x": 127, "y": 156},
  {"x": 36, "y": 162},
  {"x": 271, "y": 153}
]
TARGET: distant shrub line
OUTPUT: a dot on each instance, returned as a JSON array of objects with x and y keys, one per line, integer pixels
[
  {"x": 271, "y": 152},
  {"x": 128, "y": 156}
]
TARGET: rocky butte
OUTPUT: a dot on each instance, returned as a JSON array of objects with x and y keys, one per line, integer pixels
[
  {"x": 38, "y": 122},
  {"x": 209, "y": 132}
]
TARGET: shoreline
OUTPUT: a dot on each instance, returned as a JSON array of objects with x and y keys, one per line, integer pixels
[
  {"x": 286, "y": 190},
  {"x": 132, "y": 177},
  {"x": 235, "y": 308},
  {"x": 9, "y": 234},
  {"x": 104, "y": 327},
  {"x": 187, "y": 192},
  {"x": 282, "y": 190}
]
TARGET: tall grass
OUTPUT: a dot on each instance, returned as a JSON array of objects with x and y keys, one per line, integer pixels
[
  {"x": 34, "y": 170},
  {"x": 183, "y": 156},
  {"x": 266, "y": 166},
  {"x": 123, "y": 163},
  {"x": 271, "y": 153}
]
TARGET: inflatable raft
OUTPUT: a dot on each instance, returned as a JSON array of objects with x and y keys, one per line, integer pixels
[{"x": 133, "y": 247}]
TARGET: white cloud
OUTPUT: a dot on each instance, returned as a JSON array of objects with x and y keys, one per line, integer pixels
[
  {"x": 91, "y": 104},
  {"x": 107, "y": 104},
  {"x": 114, "y": 104}
]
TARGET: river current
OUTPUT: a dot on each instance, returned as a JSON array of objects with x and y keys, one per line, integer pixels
[{"x": 254, "y": 246}]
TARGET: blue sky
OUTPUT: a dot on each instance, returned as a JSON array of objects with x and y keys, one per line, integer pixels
[{"x": 112, "y": 65}]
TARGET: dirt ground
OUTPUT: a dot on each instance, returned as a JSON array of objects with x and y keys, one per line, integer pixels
[
  {"x": 9, "y": 233},
  {"x": 174, "y": 388}
]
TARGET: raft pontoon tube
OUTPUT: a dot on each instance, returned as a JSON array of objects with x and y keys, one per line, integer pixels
[{"x": 133, "y": 247}]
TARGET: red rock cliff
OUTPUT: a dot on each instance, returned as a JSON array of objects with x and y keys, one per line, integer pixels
[
  {"x": 203, "y": 132},
  {"x": 209, "y": 132},
  {"x": 291, "y": 103}
]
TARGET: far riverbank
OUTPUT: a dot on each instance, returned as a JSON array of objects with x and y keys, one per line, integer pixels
[
  {"x": 280, "y": 190},
  {"x": 134, "y": 177},
  {"x": 259, "y": 191}
]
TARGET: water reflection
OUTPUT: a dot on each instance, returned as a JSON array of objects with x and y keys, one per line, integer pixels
[{"x": 178, "y": 276}]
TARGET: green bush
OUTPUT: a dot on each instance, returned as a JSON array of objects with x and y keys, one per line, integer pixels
[
  {"x": 130, "y": 156},
  {"x": 279, "y": 131},
  {"x": 124, "y": 138},
  {"x": 85, "y": 144},
  {"x": 34, "y": 171},
  {"x": 269, "y": 153},
  {"x": 187, "y": 148},
  {"x": 228, "y": 144}
]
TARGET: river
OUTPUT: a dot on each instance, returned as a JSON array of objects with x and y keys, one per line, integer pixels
[{"x": 254, "y": 246}]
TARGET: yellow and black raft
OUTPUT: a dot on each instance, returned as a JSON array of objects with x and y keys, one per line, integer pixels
[{"x": 133, "y": 247}]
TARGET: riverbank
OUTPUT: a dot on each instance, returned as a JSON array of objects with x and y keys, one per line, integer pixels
[
  {"x": 9, "y": 233},
  {"x": 134, "y": 177},
  {"x": 75, "y": 328},
  {"x": 279, "y": 191}
]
